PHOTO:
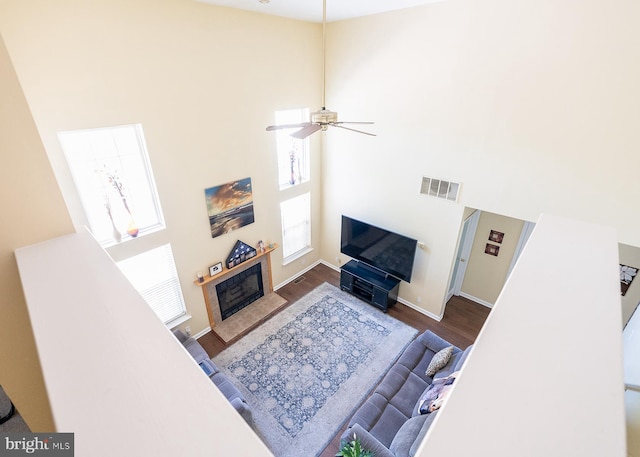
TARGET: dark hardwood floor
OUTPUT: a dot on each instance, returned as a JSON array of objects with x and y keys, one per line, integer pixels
[{"x": 460, "y": 325}]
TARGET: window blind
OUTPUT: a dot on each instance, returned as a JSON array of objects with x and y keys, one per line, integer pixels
[
  {"x": 153, "y": 274},
  {"x": 296, "y": 225}
]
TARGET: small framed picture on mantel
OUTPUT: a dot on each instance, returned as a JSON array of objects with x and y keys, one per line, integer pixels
[{"x": 215, "y": 269}]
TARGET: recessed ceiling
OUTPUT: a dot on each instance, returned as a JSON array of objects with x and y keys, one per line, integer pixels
[{"x": 311, "y": 10}]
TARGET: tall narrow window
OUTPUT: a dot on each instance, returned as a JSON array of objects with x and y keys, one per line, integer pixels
[
  {"x": 293, "y": 153},
  {"x": 153, "y": 274},
  {"x": 113, "y": 177},
  {"x": 296, "y": 227}
]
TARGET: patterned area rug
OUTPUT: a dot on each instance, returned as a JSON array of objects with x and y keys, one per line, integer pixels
[{"x": 307, "y": 369}]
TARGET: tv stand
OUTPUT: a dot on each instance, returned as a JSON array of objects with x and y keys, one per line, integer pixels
[{"x": 373, "y": 286}]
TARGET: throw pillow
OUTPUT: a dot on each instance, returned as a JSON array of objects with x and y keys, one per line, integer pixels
[{"x": 439, "y": 360}]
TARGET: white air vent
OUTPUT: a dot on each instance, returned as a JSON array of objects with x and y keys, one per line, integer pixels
[{"x": 438, "y": 188}]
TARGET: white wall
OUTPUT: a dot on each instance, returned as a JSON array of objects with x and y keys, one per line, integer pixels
[
  {"x": 631, "y": 351},
  {"x": 545, "y": 374},
  {"x": 530, "y": 104},
  {"x": 116, "y": 377}
]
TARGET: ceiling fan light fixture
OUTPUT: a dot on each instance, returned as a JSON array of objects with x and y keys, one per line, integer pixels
[
  {"x": 264, "y": 1},
  {"x": 323, "y": 118}
]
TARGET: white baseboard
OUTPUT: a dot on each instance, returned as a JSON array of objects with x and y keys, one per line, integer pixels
[
  {"x": 330, "y": 265},
  {"x": 300, "y": 273},
  {"x": 400, "y": 300},
  {"x": 477, "y": 300},
  {"x": 202, "y": 333},
  {"x": 419, "y": 309}
]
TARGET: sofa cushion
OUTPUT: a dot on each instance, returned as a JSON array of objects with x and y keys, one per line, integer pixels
[
  {"x": 401, "y": 387},
  {"x": 180, "y": 335},
  {"x": 380, "y": 418},
  {"x": 196, "y": 350},
  {"x": 226, "y": 387},
  {"x": 208, "y": 367},
  {"x": 439, "y": 360},
  {"x": 407, "y": 434},
  {"x": 423, "y": 431}
]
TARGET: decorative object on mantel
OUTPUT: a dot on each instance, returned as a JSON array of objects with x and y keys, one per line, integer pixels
[
  {"x": 215, "y": 269},
  {"x": 200, "y": 277},
  {"x": 261, "y": 245},
  {"x": 229, "y": 206},
  {"x": 241, "y": 252},
  {"x": 491, "y": 249},
  {"x": 496, "y": 236},
  {"x": 627, "y": 274}
]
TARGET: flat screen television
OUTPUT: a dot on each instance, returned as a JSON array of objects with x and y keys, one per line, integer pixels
[{"x": 384, "y": 250}]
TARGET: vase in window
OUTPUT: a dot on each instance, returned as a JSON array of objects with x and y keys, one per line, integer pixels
[
  {"x": 132, "y": 229},
  {"x": 116, "y": 233}
]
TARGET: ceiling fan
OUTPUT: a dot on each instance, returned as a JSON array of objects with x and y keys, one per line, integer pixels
[{"x": 323, "y": 118}]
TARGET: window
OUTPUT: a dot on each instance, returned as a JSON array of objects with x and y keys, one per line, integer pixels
[
  {"x": 111, "y": 171},
  {"x": 293, "y": 153},
  {"x": 153, "y": 274},
  {"x": 296, "y": 227}
]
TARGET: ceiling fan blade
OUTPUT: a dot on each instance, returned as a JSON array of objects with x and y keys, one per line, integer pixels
[
  {"x": 306, "y": 131},
  {"x": 346, "y": 122},
  {"x": 353, "y": 130},
  {"x": 288, "y": 126}
]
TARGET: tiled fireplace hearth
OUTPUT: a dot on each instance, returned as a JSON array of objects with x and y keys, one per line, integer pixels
[{"x": 246, "y": 291}]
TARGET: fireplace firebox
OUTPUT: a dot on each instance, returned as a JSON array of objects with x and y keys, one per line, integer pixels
[{"x": 240, "y": 290}]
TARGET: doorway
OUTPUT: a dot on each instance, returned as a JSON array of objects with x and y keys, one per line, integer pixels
[{"x": 483, "y": 262}]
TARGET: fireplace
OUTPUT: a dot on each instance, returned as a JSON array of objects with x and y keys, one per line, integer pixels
[
  {"x": 240, "y": 290},
  {"x": 233, "y": 299}
]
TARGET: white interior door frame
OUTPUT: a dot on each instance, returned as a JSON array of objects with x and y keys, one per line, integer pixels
[
  {"x": 467, "y": 235},
  {"x": 527, "y": 228}
]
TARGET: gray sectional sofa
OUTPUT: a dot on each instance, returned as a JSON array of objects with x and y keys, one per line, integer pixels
[
  {"x": 389, "y": 422},
  {"x": 221, "y": 381}
]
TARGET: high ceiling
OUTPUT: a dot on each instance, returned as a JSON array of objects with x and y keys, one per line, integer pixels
[{"x": 311, "y": 10}]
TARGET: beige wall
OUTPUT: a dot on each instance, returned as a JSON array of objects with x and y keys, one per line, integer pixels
[
  {"x": 32, "y": 211},
  {"x": 204, "y": 83},
  {"x": 525, "y": 103},
  {"x": 486, "y": 274},
  {"x": 529, "y": 122}
]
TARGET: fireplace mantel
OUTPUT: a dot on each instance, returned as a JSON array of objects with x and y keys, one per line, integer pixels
[
  {"x": 233, "y": 270},
  {"x": 247, "y": 318}
]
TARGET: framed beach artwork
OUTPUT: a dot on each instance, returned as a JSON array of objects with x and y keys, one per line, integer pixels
[{"x": 229, "y": 206}]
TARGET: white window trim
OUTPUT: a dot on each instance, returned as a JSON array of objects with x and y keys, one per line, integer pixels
[
  {"x": 82, "y": 148},
  {"x": 297, "y": 255}
]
